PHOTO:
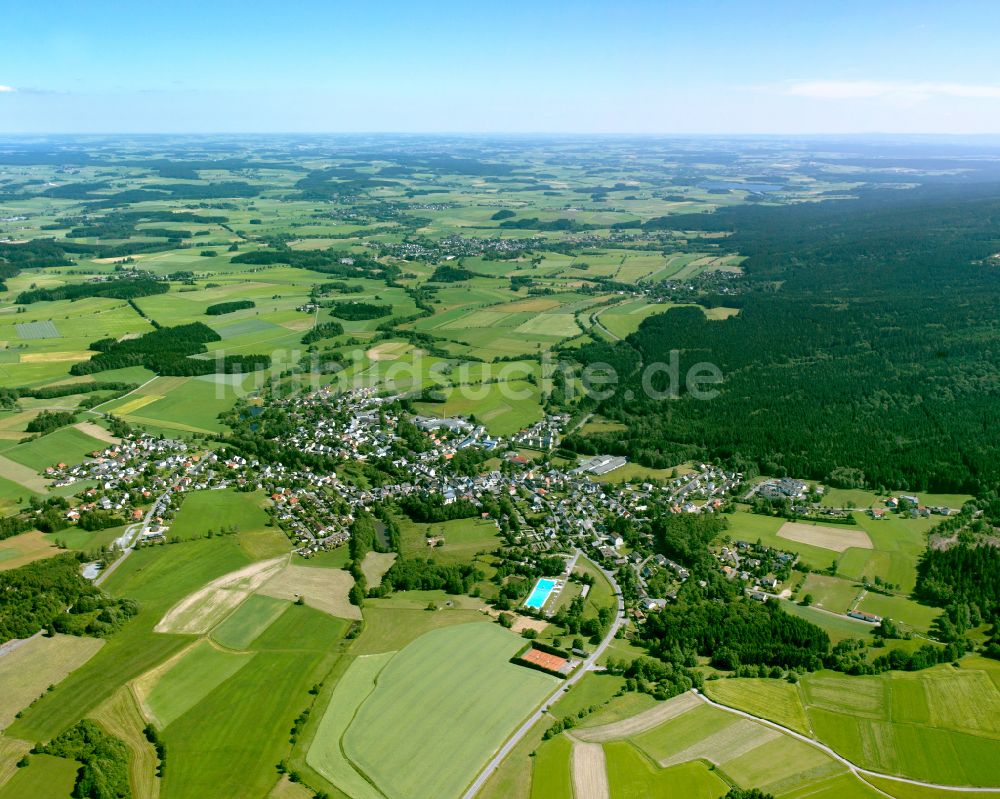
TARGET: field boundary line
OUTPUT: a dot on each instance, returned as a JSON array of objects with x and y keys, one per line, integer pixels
[
  {"x": 858, "y": 771},
  {"x": 354, "y": 716},
  {"x": 129, "y": 394}
]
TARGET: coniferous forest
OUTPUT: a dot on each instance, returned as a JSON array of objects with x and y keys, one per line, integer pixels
[{"x": 879, "y": 351}]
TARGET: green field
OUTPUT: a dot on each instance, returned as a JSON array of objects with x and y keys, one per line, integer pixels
[
  {"x": 940, "y": 725},
  {"x": 776, "y": 700},
  {"x": 440, "y": 708},
  {"x": 325, "y": 753},
  {"x": 463, "y": 539},
  {"x": 831, "y": 593},
  {"x": 550, "y": 771},
  {"x": 593, "y": 691},
  {"x": 248, "y": 621},
  {"x": 217, "y": 510},
  {"x": 226, "y": 745},
  {"x": 46, "y": 777},
  {"x": 630, "y": 774},
  {"x": 189, "y": 680},
  {"x": 67, "y": 445}
]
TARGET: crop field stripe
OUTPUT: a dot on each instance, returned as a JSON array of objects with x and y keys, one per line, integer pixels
[
  {"x": 326, "y": 754},
  {"x": 590, "y": 777},
  {"x": 121, "y": 716}
]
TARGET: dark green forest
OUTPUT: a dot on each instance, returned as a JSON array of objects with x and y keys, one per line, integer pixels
[
  {"x": 878, "y": 352},
  {"x": 51, "y": 594},
  {"x": 167, "y": 351},
  {"x": 221, "y": 308}
]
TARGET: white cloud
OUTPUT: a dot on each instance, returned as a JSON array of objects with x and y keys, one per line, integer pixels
[
  {"x": 890, "y": 90},
  {"x": 7, "y": 89}
]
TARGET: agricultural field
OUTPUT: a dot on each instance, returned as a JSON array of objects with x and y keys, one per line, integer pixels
[
  {"x": 45, "y": 776},
  {"x": 26, "y": 547},
  {"x": 776, "y": 700},
  {"x": 438, "y": 673},
  {"x": 28, "y": 671},
  {"x": 631, "y": 774},
  {"x": 686, "y": 747},
  {"x": 219, "y": 510},
  {"x": 884, "y": 723}
]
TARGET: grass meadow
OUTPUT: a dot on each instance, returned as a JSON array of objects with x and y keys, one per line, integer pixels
[
  {"x": 441, "y": 707},
  {"x": 219, "y": 509}
]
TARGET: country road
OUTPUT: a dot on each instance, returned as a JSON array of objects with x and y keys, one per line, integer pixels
[
  {"x": 596, "y": 322},
  {"x": 855, "y": 769},
  {"x": 564, "y": 686},
  {"x": 132, "y": 534}
]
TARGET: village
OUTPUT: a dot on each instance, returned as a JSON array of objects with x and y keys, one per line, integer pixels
[{"x": 557, "y": 509}]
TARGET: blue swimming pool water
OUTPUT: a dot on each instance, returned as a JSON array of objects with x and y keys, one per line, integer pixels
[{"x": 540, "y": 593}]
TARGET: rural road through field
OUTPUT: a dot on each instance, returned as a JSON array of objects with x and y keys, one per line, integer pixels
[
  {"x": 857, "y": 770},
  {"x": 564, "y": 686},
  {"x": 130, "y": 537},
  {"x": 596, "y": 322}
]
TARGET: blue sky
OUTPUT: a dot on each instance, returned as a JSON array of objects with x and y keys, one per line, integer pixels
[{"x": 543, "y": 66}]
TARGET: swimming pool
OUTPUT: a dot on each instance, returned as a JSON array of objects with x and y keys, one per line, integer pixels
[{"x": 540, "y": 593}]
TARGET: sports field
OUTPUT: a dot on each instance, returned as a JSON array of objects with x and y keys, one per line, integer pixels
[{"x": 441, "y": 707}]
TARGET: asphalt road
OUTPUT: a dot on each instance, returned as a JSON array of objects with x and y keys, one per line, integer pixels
[
  {"x": 564, "y": 686},
  {"x": 857, "y": 770},
  {"x": 132, "y": 534}
]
